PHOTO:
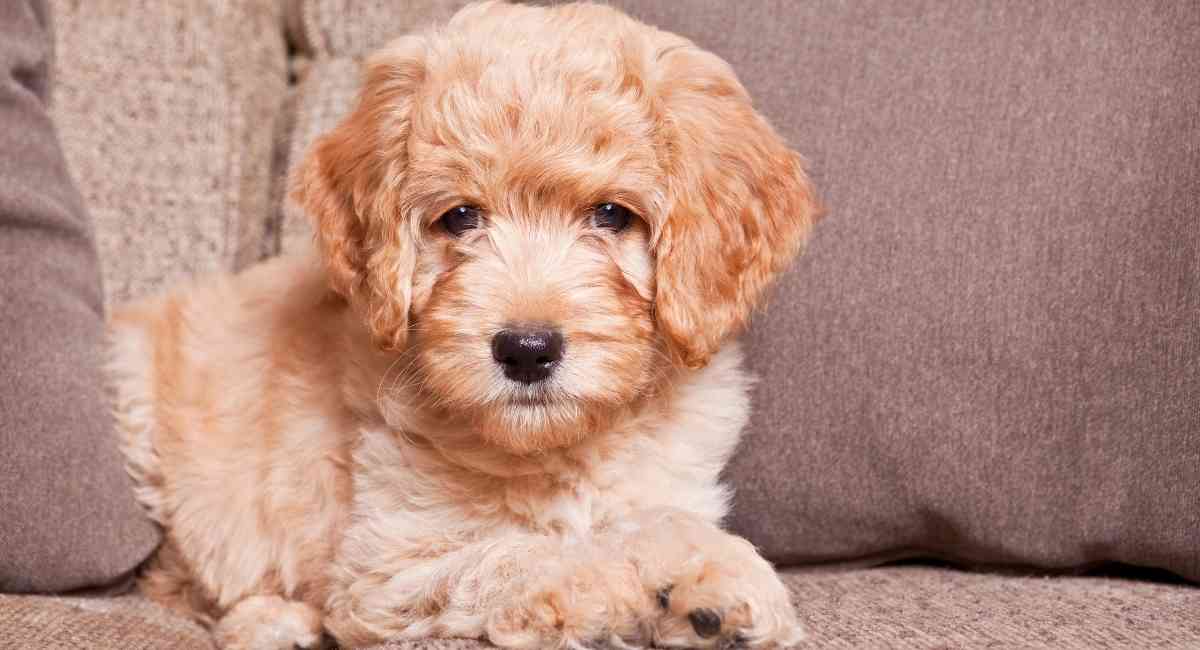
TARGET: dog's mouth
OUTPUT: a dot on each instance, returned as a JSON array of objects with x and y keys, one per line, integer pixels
[
  {"x": 529, "y": 400},
  {"x": 530, "y": 397}
]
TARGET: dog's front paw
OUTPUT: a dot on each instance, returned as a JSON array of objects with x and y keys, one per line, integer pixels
[
  {"x": 595, "y": 605},
  {"x": 714, "y": 604},
  {"x": 269, "y": 623},
  {"x": 713, "y": 589}
]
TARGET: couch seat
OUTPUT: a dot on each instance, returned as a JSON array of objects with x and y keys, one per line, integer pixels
[{"x": 902, "y": 607}]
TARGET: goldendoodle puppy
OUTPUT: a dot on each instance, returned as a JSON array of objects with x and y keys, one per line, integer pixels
[{"x": 495, "y": 399}]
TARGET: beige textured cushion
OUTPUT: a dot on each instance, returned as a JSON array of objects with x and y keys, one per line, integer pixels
[
  {"x": 323, "y": 96},
  {"x": 166, "y": 114},
  {"x": 324, "y": 28},
  {"x": 330, "y": 38},
  {"x": 121, "y": 623},
  {"x": 905, "y": 608}
]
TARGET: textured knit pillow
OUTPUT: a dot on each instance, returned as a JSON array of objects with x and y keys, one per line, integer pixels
[
  {"x": 166, "y": 112},
  {"x": 991, "y": 350},
  {"x": 67, "y": 514},
  {"x": 353, "y": 28}
]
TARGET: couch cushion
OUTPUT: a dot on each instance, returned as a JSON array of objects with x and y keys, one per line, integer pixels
[
  {"x": 925, "y": 607},
  {"x": 67, "y": 514},
  {"x": 325, "y": 93},
  {"x": 330, "y": 28},
  {"x": 907, "y": 608},
  {"x": 166, "y": 112},
  {"x": 991, "y": 350},
  {"x": 121, "y": 623},
  {"x": 330, "y": 40}
]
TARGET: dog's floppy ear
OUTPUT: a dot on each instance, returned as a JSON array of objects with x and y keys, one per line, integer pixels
[
  {"x": 739, "y": 203},
  {"x": 348, "y": 184}
]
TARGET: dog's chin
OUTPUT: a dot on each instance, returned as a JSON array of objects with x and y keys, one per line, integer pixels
[
  {"x": 521, "y": 395},
  {"x": 526, "y": 421},
  {"x": 525, "y": 424}
]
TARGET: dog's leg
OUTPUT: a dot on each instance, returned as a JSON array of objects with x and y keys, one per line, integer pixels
[
  {"x": 518, "y": 590},
  {"x": 664, "y": 576},
  {"x": 269, "y": 623},
  {"x": 592, "y": 596},
  {"x": 713, "y": 588}
]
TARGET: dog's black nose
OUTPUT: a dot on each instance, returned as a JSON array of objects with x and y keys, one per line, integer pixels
[{"x": 528, "y": 355}]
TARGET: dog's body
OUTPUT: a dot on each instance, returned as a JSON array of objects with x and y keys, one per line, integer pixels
[
  {"x": 295, "y": 483},
  {"x": 507, "y": 422}
]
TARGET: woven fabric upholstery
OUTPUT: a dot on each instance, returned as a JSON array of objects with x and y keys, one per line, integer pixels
[
  {"x": 903, "y": 608},
  {"x": 325, "y": 94},
  {"x": 333, "y": 28},
  {"x": 166, "y": 112}
]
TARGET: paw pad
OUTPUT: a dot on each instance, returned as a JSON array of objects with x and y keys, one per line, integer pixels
[
  {"x": 664, "y": 596},
  {"x": 735, "y": 642},
  {"x": 706, "y": 622}
]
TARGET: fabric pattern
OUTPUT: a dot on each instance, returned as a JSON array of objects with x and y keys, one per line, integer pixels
[
  {"x": 167, "y": 113},
  {"x": 991, "y": 350},
  {"x": 905, "y": 608},
  {"x": 321, "y": 99},
  {"x": 67, "y": 514},
  {"x": 353, "y": 28},
  {"x": 118, "y": 623}
]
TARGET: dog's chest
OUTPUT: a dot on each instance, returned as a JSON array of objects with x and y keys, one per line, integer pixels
[{"x": 571, "y": 506}]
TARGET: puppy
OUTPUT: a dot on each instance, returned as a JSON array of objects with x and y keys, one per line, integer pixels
[{"x": 495, "y": 399}]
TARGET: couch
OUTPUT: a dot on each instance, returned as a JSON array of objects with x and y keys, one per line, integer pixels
[
  {"x": 894, "y": 607},
  {"x": 179, "y": 121}
]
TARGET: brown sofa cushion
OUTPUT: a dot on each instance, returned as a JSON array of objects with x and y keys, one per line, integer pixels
[
  {"x": 991, "y": 351},
  {"x": 166, "y": 112},
  {"x": 915, "y": 608},
  {"x": 67, "y": 514}
]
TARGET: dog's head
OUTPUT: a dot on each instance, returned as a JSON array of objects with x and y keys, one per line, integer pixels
[{"x": 553, "y": 210}]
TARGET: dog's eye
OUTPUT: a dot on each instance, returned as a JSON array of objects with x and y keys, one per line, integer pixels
[
  {"x": 461, "y": 219},
  {"x": 611, "y": 216}
]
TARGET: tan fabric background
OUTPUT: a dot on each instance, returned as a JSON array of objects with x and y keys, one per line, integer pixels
[
  {"x": 325, "y": 94},
  {"x": 330, "y": 38},
  {"x": 166, "y": 113},
  {"x": 351, "y": 28},
  {"x": 122, "y": 623}
]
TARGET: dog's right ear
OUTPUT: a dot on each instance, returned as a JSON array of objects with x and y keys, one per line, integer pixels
[{"x": 348, "y": 183}]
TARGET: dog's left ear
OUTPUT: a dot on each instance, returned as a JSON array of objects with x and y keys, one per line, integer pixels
[{"x": 740, "y": 204}]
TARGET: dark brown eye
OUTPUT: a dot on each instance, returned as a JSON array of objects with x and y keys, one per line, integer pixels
[
  {"x": 458, "y": 220},
  {"x": 611, "y": 216}
]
